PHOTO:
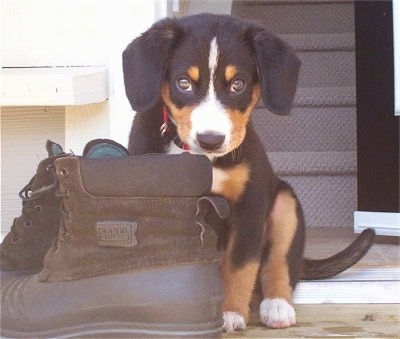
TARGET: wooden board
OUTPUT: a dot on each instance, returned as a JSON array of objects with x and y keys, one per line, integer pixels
[{"x": 332, "y": 321}]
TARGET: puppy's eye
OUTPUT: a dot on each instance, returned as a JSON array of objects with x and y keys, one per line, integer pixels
[
  {"x": 237, "y": 86},
  {"x": 184, "y": 84}
]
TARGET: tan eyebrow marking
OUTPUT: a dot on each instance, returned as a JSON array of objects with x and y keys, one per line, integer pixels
[
  {"x": 194, "y": 73},
  {"x": 230, "y": 72}
]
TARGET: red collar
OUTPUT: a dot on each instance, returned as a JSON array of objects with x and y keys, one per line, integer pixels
[{"x": 164, "y": 129}]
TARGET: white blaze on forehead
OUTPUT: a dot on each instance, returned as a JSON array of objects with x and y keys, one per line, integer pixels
[
  {"x": 210, "y": 115},
  {"x": 213, "y": 59}
]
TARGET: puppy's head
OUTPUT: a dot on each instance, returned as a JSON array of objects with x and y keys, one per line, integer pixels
[{"x": 210, "y": 72}]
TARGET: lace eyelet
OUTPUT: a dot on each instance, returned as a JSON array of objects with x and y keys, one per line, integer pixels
[
  {"x": 38, "y": 209},
  {"x": 14, "y": 240},
  {"x": 64, "y": 172},
  {"x": 28, "y": 223}
]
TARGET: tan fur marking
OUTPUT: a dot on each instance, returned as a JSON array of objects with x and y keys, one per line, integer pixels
[
  {"x": 240, "y": 119},
  {"x": 180, "y": 116},
  {"x": 282, "y": 226},
  {"x": 232, "y": 181},
  {"x": 238, "y": 284},
  {"x": 194, "y": 73},
  {"x": 230, "y": 72}
]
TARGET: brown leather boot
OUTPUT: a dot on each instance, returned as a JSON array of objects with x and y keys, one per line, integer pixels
[
  {"x": 33, "y": 231},
  {"x": 134, "y": 257}
]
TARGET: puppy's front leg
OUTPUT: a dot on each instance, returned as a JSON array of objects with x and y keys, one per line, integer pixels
[
  {"x": 242, "y": 254},
  {"x": 238, "y": 283},
  {"x": 280, "y": 271}
]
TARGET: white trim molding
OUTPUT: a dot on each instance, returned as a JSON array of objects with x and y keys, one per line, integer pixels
[
  {"x": 354, "y": 286},
  {"x": 53, "y": 86},
  {"x": 384, "y": 223}
]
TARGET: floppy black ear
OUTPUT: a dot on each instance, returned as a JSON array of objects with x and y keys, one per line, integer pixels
[
  {"x": 278, "y": 68},
  {"x": 144, "y": 62}
]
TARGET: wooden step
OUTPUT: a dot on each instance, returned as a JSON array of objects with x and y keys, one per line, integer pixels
[
  {"x": 327, "y": 69},
  {"x": 285, "y": 17},
  {"x": 313, "y": 129},
  {"x": 314, "y": 163},
  {"x": 327, "y": 200},
  {"x": 321, "y": 42},
  {"x": 325, "y": 183},
  {"x": 322, "y": 96}
]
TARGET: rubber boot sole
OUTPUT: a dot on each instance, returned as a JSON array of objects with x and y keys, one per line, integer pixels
[{"x": 181, "y": 301}]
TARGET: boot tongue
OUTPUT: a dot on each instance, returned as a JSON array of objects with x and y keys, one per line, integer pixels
[
  {"x": 53, "y": 148},
  {"x": 98, "y": 148},
  {"x": 104, "y": 148}
]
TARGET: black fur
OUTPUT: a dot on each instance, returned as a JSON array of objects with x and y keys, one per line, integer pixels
[
  {"x": 278, "y": 66},
  {"x": 173, "y": 45}
]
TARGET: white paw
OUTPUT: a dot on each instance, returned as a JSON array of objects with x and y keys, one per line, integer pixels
[
  {"x": 233, "y": 321},
  {"x": 277, "y": 313}
]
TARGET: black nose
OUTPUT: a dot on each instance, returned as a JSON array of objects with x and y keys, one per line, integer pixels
[{"x": 210, "y": 140}]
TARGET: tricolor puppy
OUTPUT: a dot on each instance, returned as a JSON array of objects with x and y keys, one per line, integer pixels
[{"x": 194, "y": 83}]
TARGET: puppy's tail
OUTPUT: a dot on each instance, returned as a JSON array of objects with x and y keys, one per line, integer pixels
[{"x": 326, "y": 268}]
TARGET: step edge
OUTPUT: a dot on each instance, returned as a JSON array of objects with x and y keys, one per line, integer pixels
[
  {"x": 330, "y": 163},
  {"x": 320, "y": 42},
  {"x": 323, "y": 96}
]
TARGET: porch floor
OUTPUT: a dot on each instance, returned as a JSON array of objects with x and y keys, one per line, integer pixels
[{"x": 332, "y": 321}]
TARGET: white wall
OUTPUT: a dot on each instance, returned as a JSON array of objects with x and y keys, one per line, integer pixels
[
  {"x": 78, "y": 33},
  {"x": 65, "y": 33},
  {"x": 69, "y": 33},
  {"x": 207, "y": 6}
]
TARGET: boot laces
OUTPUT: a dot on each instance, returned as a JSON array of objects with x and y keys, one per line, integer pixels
[
  {"x": 29, "y": 197},
  {"x": 27, "y": 194},
  {"x": 65, "y": 213}
]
